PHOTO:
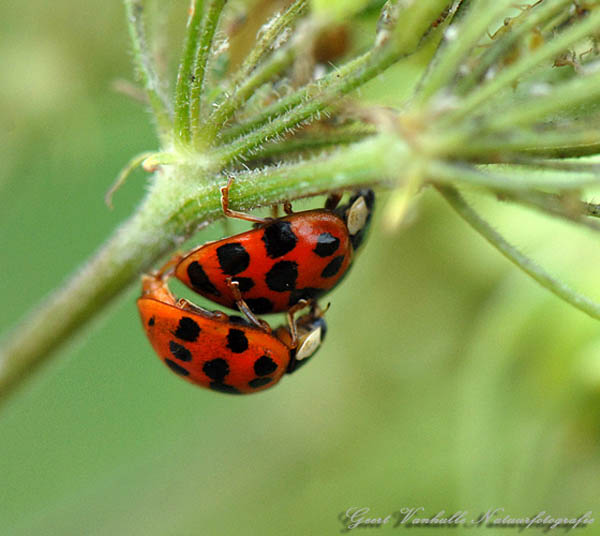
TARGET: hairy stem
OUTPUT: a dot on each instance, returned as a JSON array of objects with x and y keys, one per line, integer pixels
[
  {"x": 145, "y": 66},
  {"x": 526, "y": 264},
  {"x": 210, "y": 22},
  {"x": 184, "y": 75}
]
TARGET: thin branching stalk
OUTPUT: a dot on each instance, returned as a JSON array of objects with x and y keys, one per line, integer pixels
[
  {"x": 559, "y": 206},
  {"x": 459, "y": 41},
  {"x": 531, "y": 268},
  {"x": 525, "y": 65},
  {"x": 267, "y": 71},
  {"x": 142, "y": 58},
  {"x": 311, "y": 141},
  {"x": 515, "y": 33},
  {"x": 210, "y": 21},
  {"x": 184, "y": 75},
  {"x": 573, "y": 93}
]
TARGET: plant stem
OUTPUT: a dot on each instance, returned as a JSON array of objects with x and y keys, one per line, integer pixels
[
  {"x": 285, "y": 104},
  {"x": 210, "y": 22},
  {"x": 459, "y": 42},
  {"x": 278, "y": 62},
  {"x": 558, "y": 288},
  {"x": 184, "y": 75},
  {"x": 575, "y": 92},
  {"x": 144, "y": 65},
  {"x": 314, "y": 140},
  {"x": 510, "y": 179},
  {"x": 270, "y": 33},
  {"x": 559, "y": 206},
  {"x": 525, "y": 65},
  {"x": 551, "y": 144},
  {"x": 505, "y": 44}
]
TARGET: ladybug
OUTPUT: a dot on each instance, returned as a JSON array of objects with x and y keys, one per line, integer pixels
[
  {"x": 282, "y": 260},
  {"x": 229, "y": 354}
]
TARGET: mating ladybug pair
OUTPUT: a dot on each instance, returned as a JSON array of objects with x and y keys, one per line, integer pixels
[{"x": 282, "y": 265}]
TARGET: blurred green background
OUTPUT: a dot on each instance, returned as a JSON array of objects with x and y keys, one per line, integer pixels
[{"x": 448, "y": 381}]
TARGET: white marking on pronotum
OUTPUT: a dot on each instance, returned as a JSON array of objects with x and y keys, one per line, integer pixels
[
  {"x": 357, "y": 216},
  {"x": 309, "y": 345}
]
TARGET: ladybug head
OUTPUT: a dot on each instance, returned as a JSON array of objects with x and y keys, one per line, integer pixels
[
  {"x": 311, "y": 333},
  {"x": 357, "y": 214}
]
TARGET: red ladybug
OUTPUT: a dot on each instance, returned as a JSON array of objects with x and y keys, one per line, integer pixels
[
  {"x": 283, "y": 260},
  {"x": 224, "y": 353}
]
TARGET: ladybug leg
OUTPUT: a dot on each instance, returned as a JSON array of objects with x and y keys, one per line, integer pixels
[
  {"x": 316, "y": 311},
  {"x": 275, "y": 212},
  {"x": 243, "y": 306},
  {"x": 234, "y": 213},
  {"x": 167, "y": 269},
  {"x": 292, "y": 322},
  {"x": 192, "y": 307},
  {"x": 333, "y": 201},
  {"x": 287, "y": 207}
]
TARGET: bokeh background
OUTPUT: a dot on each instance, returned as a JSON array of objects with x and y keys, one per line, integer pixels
[{"x": 449, "y": 380}]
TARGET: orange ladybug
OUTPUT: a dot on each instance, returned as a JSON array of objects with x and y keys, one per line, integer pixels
[
  {"x": 284, "y": 260},
  {"x": 229, "y": 354}
]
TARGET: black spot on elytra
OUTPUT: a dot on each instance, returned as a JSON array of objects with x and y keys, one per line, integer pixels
[
  {"x": 151, "y": 322},
  {"x": 200, "y": 280},
  {"x": 259, "y": 382},
  {"x": 233, "y": 258},
  {"x": 282, "y": 276},
  {"x": 244, "y": 283},
  {"x": 264, "y": 365},
  {"x": 180, "y": 352},
  {"x": 216, "y": 369},
  {"x": 306, "y": 293},
  {"x": 176, "y": 368},
  {"x": 260, "y": 306},
  {"x": 327, "y": 245},
  {"x": 237, "y": 341},
  {"x": 333, "y": 267},
  {"x": 224, "y": 388},
  {"x": 187, "y": 330},
  {"x": 279, "y": 239}
]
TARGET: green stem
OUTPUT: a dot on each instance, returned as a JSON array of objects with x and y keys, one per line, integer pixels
[
  {"x": 569, "y": 143},
  {"x": 504, "y": 44},
  {"x": 409, "y": 33},
  {"x": 210, "y": 22},
  {"x": 184, "y": 75},
  {"x": 287, "y": 103},
  {"x": 558, "y": 288},
  {"x": 562, "y": 97},
  {"x": 510, "y": 179},
  {"x": 461, "y": 39},
  {"x": 269, "y": 34},
  {"x": 314, "y": 141},
  {"x": 278, "y": 62},
  {"x": 560, "y": 206},
  {"x": 145, "y": 67},
  {"x": 511, "y": 74}
]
